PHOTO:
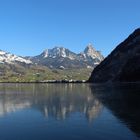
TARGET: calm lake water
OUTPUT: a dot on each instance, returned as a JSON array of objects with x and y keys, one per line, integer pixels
[{"x": 69, "y": 112}]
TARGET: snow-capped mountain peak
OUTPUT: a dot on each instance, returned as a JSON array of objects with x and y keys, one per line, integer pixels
[
  {"x": 60, "y": 56},
  {"x": 57, "y": 52},
  {"x": 11, "y": 58},
  {"x": 51, "y": 52}
]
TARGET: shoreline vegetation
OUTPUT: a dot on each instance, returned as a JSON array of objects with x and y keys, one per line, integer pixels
[
  {"x": 51, "y": 81},
  {"x": 69, "y": 82}
]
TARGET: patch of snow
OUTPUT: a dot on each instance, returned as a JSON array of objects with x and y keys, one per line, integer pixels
[
  {"x": 11, "y": 58},
  {"x": 45, "y": 53},
  {"x": 96, "y": 63},
  {"x": 62, "y": 67},
  {"x": 71, "y": 58},
  {"x": 63, "y": 52},
  {"x": 2, "y": 52},
  {"x": 54, "y": 57},
  {"x": 89, "y": 67}
]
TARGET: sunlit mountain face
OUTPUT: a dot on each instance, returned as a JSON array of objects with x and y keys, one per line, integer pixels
[
  {"x": 57, "y": 63},
  {"x": 62, "y": 58}
]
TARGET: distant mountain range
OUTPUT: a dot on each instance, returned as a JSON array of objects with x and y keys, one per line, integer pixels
[
  {"x": 49, "y": 65},
  {"x": 58, "y": 57},
  {"x": 62, "y": 58},
  {"x": 59, "y": 63}
]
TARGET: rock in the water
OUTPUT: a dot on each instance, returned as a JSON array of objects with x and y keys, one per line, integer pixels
[{"x": 122, "y": 65}]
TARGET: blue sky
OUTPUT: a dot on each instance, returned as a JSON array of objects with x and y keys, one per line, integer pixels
[{"x": 27, "y": 27}]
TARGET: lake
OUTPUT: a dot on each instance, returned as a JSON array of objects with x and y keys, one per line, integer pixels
[{"x": 69, "y": 112}]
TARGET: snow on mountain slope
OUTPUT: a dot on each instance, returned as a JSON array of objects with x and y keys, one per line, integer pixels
[
  {"x": 59, "y": 56},
  {"x": 11, "y": 58},
  {"x": 58, "y": 52}
]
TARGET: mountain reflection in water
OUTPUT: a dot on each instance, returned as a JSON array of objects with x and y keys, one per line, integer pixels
[
  {"x": 124, "y": 102},
  {"x": 52, "y": 100},
  {"x": 68, "y": 109}
]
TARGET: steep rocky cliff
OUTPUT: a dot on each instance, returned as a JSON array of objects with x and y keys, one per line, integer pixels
[{"x": 122, "y": 65}]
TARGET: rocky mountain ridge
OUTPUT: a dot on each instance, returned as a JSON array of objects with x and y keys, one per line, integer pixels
[
  {"x": 60, "y": 57},
  {"x": 57, "y": 57},
  {"x": 122, "y": 65}
]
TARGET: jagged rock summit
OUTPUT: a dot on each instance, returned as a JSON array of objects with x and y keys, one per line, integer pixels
[
  {"x": 59, "y": 57},
  {"x": 90, "y": 52},
  {"x": 122, "y": 65},
  {"x": 57, "y": 52}
]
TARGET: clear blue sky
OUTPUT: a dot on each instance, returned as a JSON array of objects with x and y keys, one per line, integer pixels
[{"x": 27, "y": 27}]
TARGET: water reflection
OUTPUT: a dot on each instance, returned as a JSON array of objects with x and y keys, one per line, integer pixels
[
  {"x": 114, "y": 106},
  {"x": 58, "y": 101},
  {"x": 123, "y": 101}
]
